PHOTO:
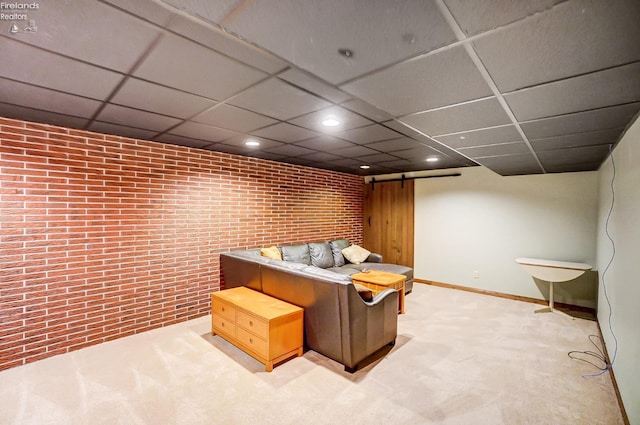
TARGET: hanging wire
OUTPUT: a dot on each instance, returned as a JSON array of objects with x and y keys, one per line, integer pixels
[{"x": 577, "y": 355}]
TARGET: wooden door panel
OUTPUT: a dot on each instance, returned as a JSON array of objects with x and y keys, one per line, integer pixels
[{"x": 388, "y": 220}]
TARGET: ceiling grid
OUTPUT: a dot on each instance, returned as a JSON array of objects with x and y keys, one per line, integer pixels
[{"x": 542, "y": 86}]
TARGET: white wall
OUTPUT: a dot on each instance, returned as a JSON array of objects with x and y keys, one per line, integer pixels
[
  {"x": 622, "y": 278},
  {"x": 481, "y": 222}
]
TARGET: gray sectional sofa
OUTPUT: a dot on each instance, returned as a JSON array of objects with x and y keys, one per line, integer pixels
[{"x": 338, "y": 322}]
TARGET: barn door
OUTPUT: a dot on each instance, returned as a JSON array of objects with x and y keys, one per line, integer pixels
[{"x": 388, "y": 221}]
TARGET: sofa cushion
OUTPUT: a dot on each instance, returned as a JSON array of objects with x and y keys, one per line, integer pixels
[
  {"x": 355, "y": 254},
  {"x": 296, "y": 254},
  {"x": 336, "y": 248},
  {"x": 271, "y": 252},
  {"x": 321, "y": 255}
]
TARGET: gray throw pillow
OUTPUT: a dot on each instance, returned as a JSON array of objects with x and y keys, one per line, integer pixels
[
  {"x": 296, "y": 254},
  {"x": 336, "y": 249},
  {"x": 321, "y": 255}
]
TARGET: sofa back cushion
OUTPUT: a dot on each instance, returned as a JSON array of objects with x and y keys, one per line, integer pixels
[
  {"x": 336, "y": 249},
  {"x": 321, "y": 255},
  {"x": 296, "y": 254}
]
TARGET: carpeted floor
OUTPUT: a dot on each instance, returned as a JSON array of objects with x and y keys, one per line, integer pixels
[{"x": 460, "y": 358}]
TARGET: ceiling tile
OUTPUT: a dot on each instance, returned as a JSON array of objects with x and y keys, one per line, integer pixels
[
  {"x": 182, "y": 141},
  {"x": 603, "y": 137},
  {"x": 278, "y": 99},
  {"x": 605, "y": 88},
  {"x": 320, "y": 156},
  {"x": 150, "y": 11},
  {"x": 393, "y": 145},
  {"x": 368, "y": 134},
  {"x": 179, "y": 63},
  {"x": 196, "y": 130},
  {"x": 159, "y": 99},
  {"x": 50, "y": 70},
  {"x": 417, "y": 154},
  {"x": 466, "y": 116},
  {"x": 232, "y": 118},
  {"x": 479, "y": 16},
  {"x": 327, "y": 143},
  {"x": 354, "y": 151},
  {"x": 597, "y": 119},
  {"x": 427, "y": 82},
  {"x": 485, "y": 136},
  {"x": 115, "y": 114},
  {"x": 240, "y": 139},
  {"x": 310, "y": 83},
  {"x": 285, "y": 132},
  {"x": 376, "y": 158},
  {"x": 128, "y": 36},
  {"x": 511, "y": 164},
  {"x": 495, "y": 150},
  {"x": 211, "y": 36},
  {"x": 574, "y": 37},
  {"x": 45, "y": 117},
  {"x": 212, "y": 11},
  {"x": 48, "y": 100},
  {"x": 367, "y": 110},
  {"x": 121, "y": 130},
  {"x": 290, "y": 150},
  {"x": 347, "y": 120},
  {"x": 310, "y": 33},
  {"x": 590, "y": 155}
]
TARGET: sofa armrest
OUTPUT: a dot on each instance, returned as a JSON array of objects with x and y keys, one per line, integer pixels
[
  {"x": 374, "y": 258},
  {"x": 366, "y": 326}
]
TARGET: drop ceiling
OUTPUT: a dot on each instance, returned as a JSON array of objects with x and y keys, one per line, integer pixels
[{"x": 520, "y": 87}]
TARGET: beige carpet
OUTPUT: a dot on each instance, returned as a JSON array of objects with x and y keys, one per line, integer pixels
[{"x": 460, "y": 358}]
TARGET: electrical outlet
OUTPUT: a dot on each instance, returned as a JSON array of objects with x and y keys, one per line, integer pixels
[{"x": 476, "y": 274}]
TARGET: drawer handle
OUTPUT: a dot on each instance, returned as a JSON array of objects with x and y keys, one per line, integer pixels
[
  {"x": 250, "y": 323},
  {"x": 250, "y": 340},
  {"x": 223, "y": 324},
  {"x": 222, "y": 308}
]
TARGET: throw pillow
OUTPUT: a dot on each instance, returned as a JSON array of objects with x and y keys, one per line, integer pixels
[
  {"x": 355, "y": 254},
  {"x": 271, "y": 252},
  {"x": 336, "y": 248}
]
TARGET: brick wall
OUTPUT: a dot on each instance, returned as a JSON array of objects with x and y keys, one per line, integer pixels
[{"x": 103, "y": 236}]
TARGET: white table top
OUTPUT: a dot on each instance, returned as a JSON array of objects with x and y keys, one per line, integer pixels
[{"x": 553, "y": 263}]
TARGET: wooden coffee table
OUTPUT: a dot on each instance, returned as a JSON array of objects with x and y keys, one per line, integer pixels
[{"x": 378, "y": 281}]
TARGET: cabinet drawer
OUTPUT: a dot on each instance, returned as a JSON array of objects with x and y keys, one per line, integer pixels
[
  {"x": 252, "y": 324},
  {"x": 222, "y": 325},
  {"x": 224, "y": 310},
  {"x": 248, "y": 339}
]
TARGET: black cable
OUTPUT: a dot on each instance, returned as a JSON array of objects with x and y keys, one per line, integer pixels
[{"x": 600, "y": 354}]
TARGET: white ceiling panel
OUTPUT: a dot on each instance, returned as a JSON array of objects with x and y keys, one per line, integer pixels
[
  {"x": 482, "y": 137},
  {"x": 115, "y": 114},
  {"x": 314, "y": 85},
  {"x": 285, "y": 132},
  {"x": 199, "y": 131},
  {"x": 347, "y": 120},
  {"x": 368, "y": 134}
]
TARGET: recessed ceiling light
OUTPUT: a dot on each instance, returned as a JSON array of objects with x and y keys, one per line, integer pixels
[
  {"x": 346, "y": 52},
  {"x": 432, "y": 159},
  {"x": 462, "y": 137},
  {"x": 330, "y": 122},
  {"x": 251, "y": 142},
  {"x": 365, "y": 167}
]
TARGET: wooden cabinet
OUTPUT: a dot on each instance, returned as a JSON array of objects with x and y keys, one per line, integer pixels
[{"x": 268, "y": 329}]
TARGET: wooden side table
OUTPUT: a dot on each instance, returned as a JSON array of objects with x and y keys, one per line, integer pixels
[
  {"x": 268, "y": 329},
  {"x": 378, "y": 281}
]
